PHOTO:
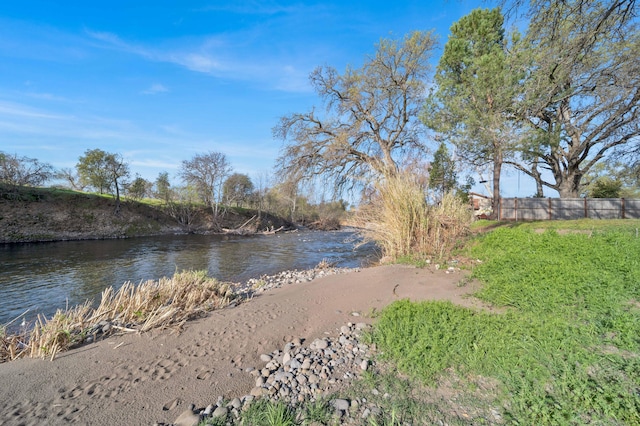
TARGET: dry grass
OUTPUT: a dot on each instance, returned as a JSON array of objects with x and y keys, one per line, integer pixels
[
  {"x": 151, "y": 304},
  {"x": 403, "y": 224}
]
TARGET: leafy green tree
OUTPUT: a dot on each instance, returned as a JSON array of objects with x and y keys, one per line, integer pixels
[
  {"x": 163, "y": 187},
  {"x": 370, "y": 120},
  {"x": 19, "y": 171},
  {"x": 139, "y": 188},
  {"x": 581, "y": 92},
  {"x": 443, "y": 177},
  {"x": 611, "y": 180},
  {"x": 472, "y": 105},
  {"x": 237, "y": 189},
  {"x": 103, "y": 171},
  {"x": 605, "y": 187},
  {"x": 207, "y": 173}
]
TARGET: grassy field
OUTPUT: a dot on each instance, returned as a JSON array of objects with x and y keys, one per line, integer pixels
[{"x": 564, "y": 350}]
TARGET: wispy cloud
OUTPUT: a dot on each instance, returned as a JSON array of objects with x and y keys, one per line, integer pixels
[
  {"x": 47, "y": 97},
  {"x": 155, "y": 88},
  {"x": 218, "y": 56},
  {"x": 19, "y": 110}
]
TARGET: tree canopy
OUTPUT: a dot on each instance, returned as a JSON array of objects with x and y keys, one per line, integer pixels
[
  {"x": 370, "y": 118},
  {"x": 103, "y": 171},
  {"x": 206, "y": 173},
  {"x": 581, "y": 91},
  {"x": 237, "y": 189},
  {"x": 473, "y": 102},
  {"x": 18, "y": 170}
]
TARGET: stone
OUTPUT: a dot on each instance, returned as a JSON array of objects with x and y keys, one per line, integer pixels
[
  {"x": 265, "y": 358},
  {"x": 257, "y": 392},
  {"x": 220, "y": 412},
  {"x": 295, "y": 364},
  {"x": 364, "y": 365},
  {"x": 236, "y": 403},
  {"x": 321, "y": 344},
  {"x": 340, "y": 404},
  {"x": 187, "y": 418}
]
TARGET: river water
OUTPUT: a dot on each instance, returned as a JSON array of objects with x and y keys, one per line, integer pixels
[{"x": 42, "y": 277}]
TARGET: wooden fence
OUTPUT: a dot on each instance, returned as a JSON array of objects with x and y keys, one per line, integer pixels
[{"x": 568, "y": 208}]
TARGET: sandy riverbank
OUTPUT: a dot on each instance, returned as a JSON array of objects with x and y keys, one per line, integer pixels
[{"x": 141, "y": 379}]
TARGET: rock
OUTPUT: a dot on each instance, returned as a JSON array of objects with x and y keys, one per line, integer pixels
[
  {"x": 265, "y": 358},
  {"x": 295, "y": 364},
  {"x": 257, "y": 392},
  {"x": 187, "y": 418},
  {"x": 364, "y": 365},
  {"x": 236, "y": 403},
  {"x": 320, "y": 344},
  {"x": 340, "y": 404},
  {"x": 220, "y": 412}
]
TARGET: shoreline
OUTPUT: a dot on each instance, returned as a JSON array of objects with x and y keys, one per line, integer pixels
[{"x": 152, "y": 377}]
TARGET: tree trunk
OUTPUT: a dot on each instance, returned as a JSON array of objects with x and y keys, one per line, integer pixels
[
  {"x": 569, "y": 186},
  {"x": 117, "y": 197},
  {"x": 497, "y": 168}
]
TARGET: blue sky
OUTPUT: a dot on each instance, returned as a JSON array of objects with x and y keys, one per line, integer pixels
[{"x": 161, "y": 81}]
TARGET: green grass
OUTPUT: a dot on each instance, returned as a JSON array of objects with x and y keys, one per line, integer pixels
[
  {"x": 631, "y": 226},
  {"x": 567, "y": 349}
]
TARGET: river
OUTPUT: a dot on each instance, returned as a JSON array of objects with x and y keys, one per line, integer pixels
[{"x": 42, "y": 277}]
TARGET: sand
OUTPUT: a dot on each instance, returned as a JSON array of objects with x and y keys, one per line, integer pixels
[{"x": 139, "y": 379}]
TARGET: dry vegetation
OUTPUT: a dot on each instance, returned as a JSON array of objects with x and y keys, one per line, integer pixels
[
  {"x": 401, "y": 221},
  {"x": 132, "y": 308}
]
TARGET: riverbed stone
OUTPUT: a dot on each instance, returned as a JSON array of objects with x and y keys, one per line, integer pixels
[{"x": 187, "y": 418}]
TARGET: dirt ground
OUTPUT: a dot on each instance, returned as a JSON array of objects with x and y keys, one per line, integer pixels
[{"x": 139, "y": 379}]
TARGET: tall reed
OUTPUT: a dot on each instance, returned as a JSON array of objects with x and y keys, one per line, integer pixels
[{"x": 403, "y": 224}]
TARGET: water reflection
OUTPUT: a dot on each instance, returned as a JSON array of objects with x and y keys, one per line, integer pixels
[{"x": 45, "y": 276}]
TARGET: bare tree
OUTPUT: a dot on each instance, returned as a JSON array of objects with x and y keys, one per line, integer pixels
[
  {"x": 16, "y": 170},
  {"x": 207, "y": 173},
  {"x": 370, "y": 116},
  {"x": 69, "y": 176},
  {"x": 582, "y": 90}
]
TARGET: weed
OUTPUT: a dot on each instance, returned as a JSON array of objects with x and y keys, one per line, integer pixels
[{"x": 268, "y": 413}]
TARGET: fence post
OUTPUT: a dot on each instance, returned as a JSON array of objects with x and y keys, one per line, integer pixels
[
  {"x": 586, "y": 215},
  {"x": 622, "y": 207},
  {"x": 549, "y": 210},
  {"x": 515, "y": 208}
]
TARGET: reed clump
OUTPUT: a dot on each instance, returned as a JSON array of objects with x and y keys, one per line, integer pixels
[
  {"x": 167, "y": 302},
  {"x": 403, "y": 224}
]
